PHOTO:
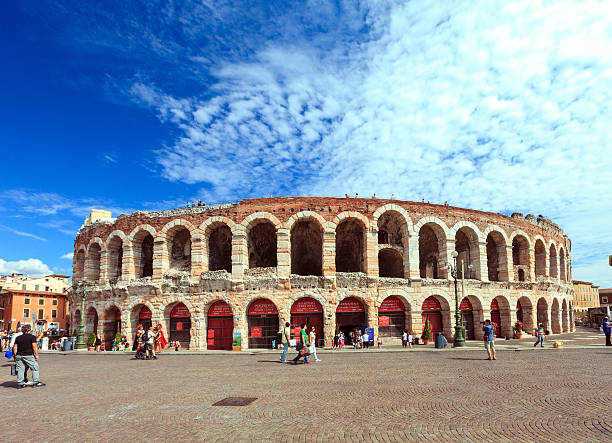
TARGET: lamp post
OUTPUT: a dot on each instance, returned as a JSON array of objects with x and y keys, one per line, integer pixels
[
  {"x": 80, "y": 343},
  {"x": 459, "y": 339}
]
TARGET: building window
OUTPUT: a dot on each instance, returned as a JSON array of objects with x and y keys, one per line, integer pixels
[
  {"x": 36, "y": 287},
  {"x": 54, "y": 302},
  {"x": 41, "y": 301},
  {"x": 26, "y": 301},
  {"x": 23, "y": 287},
  {"x": 47, "y": 288},
  {"x": 53, "y": 314},
  {"x": 41, "y": 314},
  {"x": 604, "y": 299},
  {"x": 26, "y": 313}
]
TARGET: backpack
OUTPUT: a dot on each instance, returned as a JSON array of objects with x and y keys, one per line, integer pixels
[{"x": 145, "y": 337}]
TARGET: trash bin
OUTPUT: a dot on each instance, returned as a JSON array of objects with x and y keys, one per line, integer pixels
[
  {"x": 416, "y": 340},
  {"x": 439, "y": 340},
  {"x": 67, "y": 345}
]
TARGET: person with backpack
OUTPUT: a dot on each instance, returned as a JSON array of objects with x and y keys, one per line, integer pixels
[
  {"x": 285, "y": 337},
  {"x": 489, "y": 339},
  {"x": 149, "y": 341},
  {"x": 302, "y": 346}
]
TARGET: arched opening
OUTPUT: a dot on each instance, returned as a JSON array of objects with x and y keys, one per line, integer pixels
[
  {"x": 496, "y": 317},
  {"x": 350, "y": 242},
  {"x": 562, "y": 264},
  {"x": 261, "y": 244},
  {"x": 524, "y": 314},
  {"x": 520, "y": 257},
  {"x": 306, "y": 248},
  {"x": 496, "y": 247},
  {"x": 521, "y": 275},
  {"x": 112, "y": 325},
  {"x": 262, "y": 318},
  {"x": 540, "y": 258},
  {"x": 565, "y": 317},
  {"x": 553, "y": 263},
  {"x": 180, "y": 325},
  {"x": 220, "y": 333},
  {"x": 143, "y": 254},
  {"x": 391, "y": 229},
  {"x": 220, "y": 249},
  {"x": 390, "y": 263},
  {"x": 91, "y": 322},
  {"x": 467, "y": 316},
  {"x": 179, "y": 249},
  {"x": 140, "y": 315},
  {"x": 307, "y": 311},
  {"x": 431, "y": 244},
  {"x": 350, "y": 317},
  {"x": 543, "y": 313},
  {"x": 76, "y": 322},
  {"x": 466, "y": 245},
  {"x": 79, "y": 270},
  {"x": 432, "y": 311},
  {"x": 92, "y": 270},
  {"x": 115, "y": 258},
  {"x": 555, "y": 317},
  {"x": 392, "y": 317}
]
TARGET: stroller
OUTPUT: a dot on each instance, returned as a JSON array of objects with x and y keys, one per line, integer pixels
[{"x": 140, "y": 352}]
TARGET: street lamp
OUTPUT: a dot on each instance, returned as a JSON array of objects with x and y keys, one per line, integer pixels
[
  {"x": 459, "y": 340},
  {"x": 80, "y": 343}
]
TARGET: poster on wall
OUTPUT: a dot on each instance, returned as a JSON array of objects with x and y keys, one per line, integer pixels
[
  {"x": 383, "y": 320},
  {"x": 236, "y": 341},
  {"x": 256, "y": 332},
  {"x": 370, "y": 332}
]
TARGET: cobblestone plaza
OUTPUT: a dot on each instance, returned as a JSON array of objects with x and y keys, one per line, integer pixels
[{"x": 527, "y": 394}]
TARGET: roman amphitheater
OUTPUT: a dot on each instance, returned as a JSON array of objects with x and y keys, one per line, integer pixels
[{"x": 334, "y": 263}]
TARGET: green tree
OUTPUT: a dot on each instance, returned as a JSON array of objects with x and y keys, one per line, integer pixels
[
  {"x": 91, "y": 341},
  {"x": 426, "y": 331}
]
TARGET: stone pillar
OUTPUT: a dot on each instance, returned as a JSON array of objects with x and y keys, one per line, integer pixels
[
  {"x": 531, "y": 276},
  {"x": 283, "y": 253},
  {"x": 241, "y": 325},
  {"x": 417, "y": 323},
  {"x": 160, "y": 258},
  {"x": 446, "y": 249},
  {"x": 198, "y": 332},
  {"x": 371, "y": 252},
  {"x": 411, "y": 256},
  {"x": 104, "y": 268},
  {"x": 329, "y": 323},
  {"x": 482, "y": 268},
  {"x": 240, "y": 258},
  {"x": 508, "y": 254},
  {"x": 197, "y": 256},
  {"x": 503, "y": 265},
  {"x": 372, "y": 320},
  {"x": 329, "y": 254},
  {"x": 128, "y": 271}
]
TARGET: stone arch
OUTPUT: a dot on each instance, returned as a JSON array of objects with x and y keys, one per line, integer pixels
[
  {"x": 93, "y": 260},
  {"x": 262, "y": 242},
  {"x": 521, "y": 257},
  {"x": 351, "y": 232},
  {"x": 505, "y": 316},
  {"x": 555, "y": 317},
  {"x": 402, "y": 294},
  {"x": 79, "y": 263},
  {"x": 286, "y": 309},
  {"x": 114, "y": 255},
  {"x": 306, "y": 215},
  {"x": 178, "y": 236},
  {"x": 562, "y": 268},
  {"x": 171, "y": 302},
  {"x": 390, "y": 263},
  {"x": 477, "y": 316},
  {"x": 172, "y": 226},
  {"x": 402, "y": 219},
  {"x": 91, "y": 321},
  {"x": 553, "y": 262},
  {"x": 142, "y": 240},
  {"x": 445, "y": 304},
  {"x": 351, "y": 215},
  {"x": 497, "y": 263},
  {"x": 542, "y": 313},
  {"x": 133, "y": 310},
  {"x": 540, "y": 257},
  {"x": 110, "y": 324},
  {"x": 218, "y": 243},
  {"x": 467, "y": 238},
  {"x": 306, "y": 239},
  {"x": 433, "y": 235}
]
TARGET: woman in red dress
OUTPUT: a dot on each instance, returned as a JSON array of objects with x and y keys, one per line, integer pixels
[{"x": 160, "y": 342}]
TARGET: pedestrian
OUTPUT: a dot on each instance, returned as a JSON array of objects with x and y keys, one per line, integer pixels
[
  {"x": 607, "y": 328},
  {"x": 177, "y": 345},
  {"x": 312, "y": 337},
  {"x": 285, "y": 338},
  {"x": 379, "y": 342},
  {"x": 14, "y": 337},
  {"x": 302, "y": 346},
  {"x": 404, "y": 339},
  {"x": 410, "y": 340},
  {"x": 365, "y": 339},
  {"x": 98, "y": 342},
  {"x": 539, "y": 336},
  {"x": 160, "y": 340},
  {"x": 489, "y": 339},
  {"x": 26, "y": 355},
  {"x": 150, "y": 344},
  {"x": 341, "y": 339},
  {"x": 336, "y": 342}
]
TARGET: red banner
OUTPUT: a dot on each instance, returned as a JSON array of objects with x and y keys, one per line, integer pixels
[
  {"x": 383, "y": 321},
  {"x": 220, "y": 309},
  {"x": 179, "y": 326},
  {"x": 256, "y": 331},
  {"x": 391, "y": 304},
  {"x": 465, "y": 305},
  {"x": 350, "y": 304},
  {"x": 263, "y": 307},
  {"x": 494, "y": 305},
  {"x": 306, "y": 305},
  {"x": 211, "y": 333},
  {"x": 210, "y": 342},
  {"x": 431, "y": 304},
  {"x": 180, "y": 311},
  {"x": 145, "y": 313}
]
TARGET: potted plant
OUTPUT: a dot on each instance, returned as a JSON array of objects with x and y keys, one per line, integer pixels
[
  {"x": 426, "y": 335},
  {"x": 91, "y": 342},
  {"x": 518, "y": 330}
]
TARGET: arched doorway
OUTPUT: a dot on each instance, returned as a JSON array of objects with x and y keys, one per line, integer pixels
[
  {"x": 307, "y": 311},
  {"x": 543, "y": 313},
  {"x": 76, "y": 322},
  {"x": 467, "y": 316},
  {"x": 391, "y": 317},
  {"x": 519, "y": 312},
  {"x": 525, "y": 315},
  {"x": 180, "y": 325},
  {"x": 91, "y": 322},
  {"x": 431, "y": 310},
  {"x": 145, "y": 317},
  {"x": 350, "y": 315},
  {"x": 112, "y": 325},
  {"x": 496, "y": 317},
  {"x": 220, "y": 333},
  {"x": 262, "y": 318}
]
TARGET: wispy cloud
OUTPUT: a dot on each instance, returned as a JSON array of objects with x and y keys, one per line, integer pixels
[
  {"x": 32, "y": 266},
  {"x": 110, "y": 158},
  {"x": 68, "y": 255},
  {"x": 21, "y": 233}
]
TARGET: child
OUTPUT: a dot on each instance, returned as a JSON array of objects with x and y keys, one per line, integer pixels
[
  {"x": 410, "y": 339},
  {"x": 177, "y": 345},
  {"x": 379, "y": 341}
]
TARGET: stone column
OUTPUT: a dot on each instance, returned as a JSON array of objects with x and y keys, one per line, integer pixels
[
  {"x": 503, "y": 265},
  {"x": 197, "y": 256},
  {"x": 104, "y": 268},
  {"x": 329, "y": 254},
  {"x": 417, "y": 323},
  {"x": 372, "y": 320},
  {"x": 283, "y": 254},
  {"x": 508, "y": 254},
  {"x": 127, "y": 267},
  {"x": 241, "y": 325},
  {"x": 446, "y": 249},
  {"x": 239, "y": 255},
  {"x": 482, "y": 268},
  {"x": 531, "y": 276},
  {"x": 371, "y": 252},
  {"x": 411, "y": 256},
  {"x": 198, "y": 332},
  {"x": 160, "y": 258},
  {"x": 329, "y": 323}
]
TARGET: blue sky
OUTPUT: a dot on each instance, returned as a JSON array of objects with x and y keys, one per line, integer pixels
[{"x": 498, "y": 106}]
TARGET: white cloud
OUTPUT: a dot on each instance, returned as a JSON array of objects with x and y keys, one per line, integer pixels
[
  {"x": 32, "y": 267},
  {"x": 494, "y": 106},
  {"x": 21, "y": 233},
  {"x": 68, "y": 255}
]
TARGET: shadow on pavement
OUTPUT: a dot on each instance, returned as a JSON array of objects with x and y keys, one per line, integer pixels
[
  {"x": 9, "y": 384},
  {"x": 468, "y": 358},
  {"x": 269, "y": 361}
]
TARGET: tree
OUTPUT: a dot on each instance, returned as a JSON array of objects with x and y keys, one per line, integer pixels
[
  {"x": 91, "y": 341},
  {"x": 426, "y": 331}
]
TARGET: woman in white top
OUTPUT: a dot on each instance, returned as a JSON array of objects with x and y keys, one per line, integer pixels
[
  {"x": 313, "y": 338},
  {"x": 410, "y": 340}
]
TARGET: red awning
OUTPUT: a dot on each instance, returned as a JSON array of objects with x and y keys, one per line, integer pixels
[
  {"x": 180, "y": 311},
  {"x": 220, "y": 309},
  {"x": 350, "y": 304},
  {"x": 306, "y": 305},
  {"x": 391, "y": 304},
  {"x": 431, "y": 304},
  {"x": 262, "y": 306}
]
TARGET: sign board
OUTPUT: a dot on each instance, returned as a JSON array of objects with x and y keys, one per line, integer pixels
[
  {"x": 431, "y": 304},
  {"x": 370, "y": 332},
  {"x": 391, "y": 304},
  {"x": 179, "y": 326},
  {"x": 236, "y": 341},
  {"x": 350, "y": 304},
  {"x": 494, "y": 305},
  {"x": 210, "y": 342},
  {"x": 465, "y": 305},
  {"x": 145, "y": 313},
  {"x": 263, "y": 307},
  {"x": 383, "y": 320},
  {"x": 211, "y": 333},
  {"x": 180, "y": 311},
  {"x": 256, "y": 331},
  {"x": 306, "y": 305},
  {"x": 220, "y": 309}
]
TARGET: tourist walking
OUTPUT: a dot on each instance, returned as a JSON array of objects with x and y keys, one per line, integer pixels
[
  {"x": 379, "y": 342},
  {"x": 365, "y": 340},
  {"x": 341, "y": 339},
  {"x": 605, "y": 326},
  {"x": 404, "y": 338},
  {"x": 98, "y": 342},
  {"x": 302, "y": 346},
  {"x": 489, "y": 339},
  {"x": 539, "y": 336},
  {"x": 312, "y": 337},
  {"x": 410, "y": 340},
  {"x": 285, "y": 338},
  {"x": 336, "y": 342},
  {"x": 26, "y": 355},
  {"x": 150, "y": 344}
]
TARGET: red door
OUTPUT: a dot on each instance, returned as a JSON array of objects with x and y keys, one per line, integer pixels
[
  {"x": 496, "y": 320},
  {"x": 435, "y": 321},
  {"x": 220, "y": 333}
]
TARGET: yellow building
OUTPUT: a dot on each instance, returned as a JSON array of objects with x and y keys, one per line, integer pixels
[{"x": 586, "y": 295}]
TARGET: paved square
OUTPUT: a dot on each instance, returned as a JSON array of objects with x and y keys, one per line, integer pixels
[{"x": 446, "y": 395}]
